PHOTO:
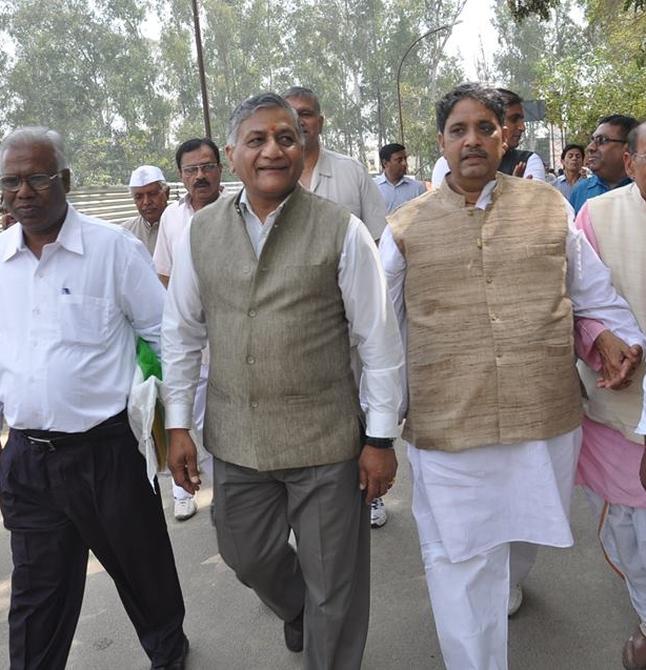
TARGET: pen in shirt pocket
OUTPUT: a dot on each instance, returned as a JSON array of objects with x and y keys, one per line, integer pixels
[{"x": 65, "y": 291}]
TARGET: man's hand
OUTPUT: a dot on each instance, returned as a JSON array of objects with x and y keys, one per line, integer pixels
[
  {"x": 618, "y": 361},
  {"x": 377, "y": 470},
  {"x": 182, "y": 460}
]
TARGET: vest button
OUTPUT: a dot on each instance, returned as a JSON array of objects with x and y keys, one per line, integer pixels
[
  {"x": 479, "y": 243},
  {"x": 489, "y": 280},
  {"x": 252, "y": 313},
  {"x": 254, "y": 404},
  {"x": 246, "y": 270},
  {"x": 251, "y": 360}
]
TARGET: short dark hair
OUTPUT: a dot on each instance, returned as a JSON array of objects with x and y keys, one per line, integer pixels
[
  {"x": 303, "y": 92},
  {"x": 489, "y": 97},
  {"x": 568, "y": 147},
  {"x": 509, "y": 98},
  {"x": 633, "y": 137},
  {"x": 193, "y": 144},
  {"x": 626, "y": 123},
  {"x": 388, "y": 150}
]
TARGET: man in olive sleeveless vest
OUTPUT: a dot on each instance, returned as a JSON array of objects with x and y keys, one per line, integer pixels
[
  {"x": 486, "y": 274},
  {"x": 287, "y": 287}
]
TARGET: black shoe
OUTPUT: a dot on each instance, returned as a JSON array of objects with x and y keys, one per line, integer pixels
[
  {"x": 294, "y": 633},
  {"x": 179, "y": 663}
]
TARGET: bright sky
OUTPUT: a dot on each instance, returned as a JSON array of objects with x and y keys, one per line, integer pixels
[{"x": 475, "y": 27}]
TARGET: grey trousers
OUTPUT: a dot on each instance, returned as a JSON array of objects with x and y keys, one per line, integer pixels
[{"x": 328, "y": 575}]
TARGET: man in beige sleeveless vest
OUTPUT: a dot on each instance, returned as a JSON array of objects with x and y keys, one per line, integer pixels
[
  {"x": 485, "y": 274},
  {"x": 615, "y": 224},
  {"x": 287, "y": 287}
]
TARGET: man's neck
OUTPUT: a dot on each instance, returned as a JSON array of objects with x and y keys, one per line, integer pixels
[
  {"x": 262, "y": 207},
  {"x": 199, "y": 204},
  {"x": 310, "y": 159},
  {"x": 35, "y": 241},
  {"x": 471, "y": 190},
  {"x": 394, "y": 182},
  {"x": 613, "y": 181},
  {"x": 571, "y": 176}
]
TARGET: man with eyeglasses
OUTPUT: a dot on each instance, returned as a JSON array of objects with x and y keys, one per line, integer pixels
[
  {"x": 612, "y": 449},
  {"x": 198, "y": 161},
  {"x": 72, "y": 479},
  {"x": 605, "y": 157}
]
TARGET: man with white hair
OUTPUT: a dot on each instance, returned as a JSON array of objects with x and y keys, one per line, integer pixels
[
  {"x": 79, "y": 293},
  {"x": 150, "y": 192}
]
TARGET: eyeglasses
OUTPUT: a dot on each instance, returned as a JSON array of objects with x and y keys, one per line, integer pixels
[
  {"x": 600, "y": 140},
  {"x": 638, "y": 157},
  {"x": 207, "y": 168},
  {"x": 37, "y": 182}
]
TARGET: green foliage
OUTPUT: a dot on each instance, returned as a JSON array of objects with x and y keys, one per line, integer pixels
[{"x": 522, "y": 9}]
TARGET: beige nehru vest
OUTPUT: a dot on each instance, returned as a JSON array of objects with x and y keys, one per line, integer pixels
[
  {"x": 281, "y": 393},
  {"x": 619, "y": 223},
  {"x": 490, "y": 350}
]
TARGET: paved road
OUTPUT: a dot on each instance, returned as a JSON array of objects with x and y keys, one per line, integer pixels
[{"x": 576, "y": 615}]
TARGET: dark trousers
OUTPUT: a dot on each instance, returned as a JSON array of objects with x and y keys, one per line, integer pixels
[
  {"x": 329, "y": 575},
  {"x": 92, "y": 494}
]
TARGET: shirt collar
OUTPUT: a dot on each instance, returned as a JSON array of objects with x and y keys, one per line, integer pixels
[
  {"x": 382, "y": 179},
  {"x": 323, "y": 166},
  {"x": 70, "y": 236},
  {"x": 245, "y": 206}
]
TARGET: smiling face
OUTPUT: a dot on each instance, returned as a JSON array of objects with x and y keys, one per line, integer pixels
[
  {"x": 39, "y": 211},
  {"x": 267, "y": 155},
  {"x": 472, "y": 143}
]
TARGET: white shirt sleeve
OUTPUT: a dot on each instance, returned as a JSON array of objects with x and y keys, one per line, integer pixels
[
  {"x": 440, "y": 170},
  {"x": 589, "y": 284},
  {"x": 183, "y": 337},
  {"x": 373, "y": 326},
  {"x": 142, "y": 294},
  {"x": 535, "y": 168},
  {"x": 163, "y": 254},
  {"x": 373, "y": 207},
  {"x": 394, "y": 265}
]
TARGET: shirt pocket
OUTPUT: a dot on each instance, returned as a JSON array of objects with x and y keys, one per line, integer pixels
[{"x": 83, "y": 319}]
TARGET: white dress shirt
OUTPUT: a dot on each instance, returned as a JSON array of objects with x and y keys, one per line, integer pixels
[
  {"x": 344, "y": 180},
  {"x": 371, "y": 323},
  {"x": 67, "y": 353},
  {"x": 535, "y": 169},
  {"x": 174, "y": 220},
  {"x": 497, "y": 493}
]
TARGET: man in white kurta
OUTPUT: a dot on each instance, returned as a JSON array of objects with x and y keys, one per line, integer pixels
[{"x": 476, "y": 501}]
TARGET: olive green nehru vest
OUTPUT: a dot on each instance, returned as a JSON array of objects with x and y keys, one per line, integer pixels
[
  {"x": 281, "y": 393},
  {"x": 490, "y": 348}
]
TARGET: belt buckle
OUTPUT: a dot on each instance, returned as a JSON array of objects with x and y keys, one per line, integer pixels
[{"x": 41, "y": 442}]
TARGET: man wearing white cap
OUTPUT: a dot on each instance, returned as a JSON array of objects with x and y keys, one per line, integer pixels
[{"x": 150, "y": 193}]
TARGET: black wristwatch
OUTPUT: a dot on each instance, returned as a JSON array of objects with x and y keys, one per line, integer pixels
[{"x": 379, "y": 442}]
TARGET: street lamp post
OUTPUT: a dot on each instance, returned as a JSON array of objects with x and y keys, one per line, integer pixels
[
  {"x": 399, "y": 71},
  {"x": 200, "y": 65}
]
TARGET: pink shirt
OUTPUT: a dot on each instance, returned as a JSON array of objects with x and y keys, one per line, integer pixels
[{"x": 608, "y": 463}]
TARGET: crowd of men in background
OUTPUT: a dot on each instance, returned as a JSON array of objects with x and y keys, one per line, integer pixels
[{"x": 300, "y": 327}]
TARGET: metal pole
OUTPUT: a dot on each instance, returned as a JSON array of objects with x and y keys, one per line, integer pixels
[
  {"x": 399, "y": 71},
  {"x": 200, "y": 65}
]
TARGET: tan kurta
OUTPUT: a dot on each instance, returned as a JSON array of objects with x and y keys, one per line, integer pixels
[
  {"x": 143, "y": 231},
  {"x": 490, "y": 352}
]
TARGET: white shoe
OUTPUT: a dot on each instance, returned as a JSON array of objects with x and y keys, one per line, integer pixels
[
  {"x": 378, "y": 516},
  {"x": 515, "y": 599},
  {"x": 185, "y": 508}
]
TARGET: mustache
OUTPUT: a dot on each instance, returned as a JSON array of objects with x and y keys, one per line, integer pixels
[
  {"x": 479, "y": 153},
  {"x": 201, "y": 182}
]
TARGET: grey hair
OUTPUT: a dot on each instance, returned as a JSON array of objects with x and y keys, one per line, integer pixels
[
  {"x": 162, "y": 184},
  {"x": 35, "y": 135},
  {"x": 633, "y": 137},
  {"x": 250, "y": 106},
  {"x": 303, "y": 92}
]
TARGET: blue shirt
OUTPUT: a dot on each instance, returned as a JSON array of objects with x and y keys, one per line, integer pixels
[
  {"x": 397, "y": 194},
  {"x": 561, "y": 183},
  {"x": 589, "y": 188}
]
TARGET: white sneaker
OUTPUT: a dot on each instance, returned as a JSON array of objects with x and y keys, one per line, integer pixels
[
  {"x": 378, "y": 516},
  {"x": 515, "y": 599},
  {"x": 185, "y": 508}
]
